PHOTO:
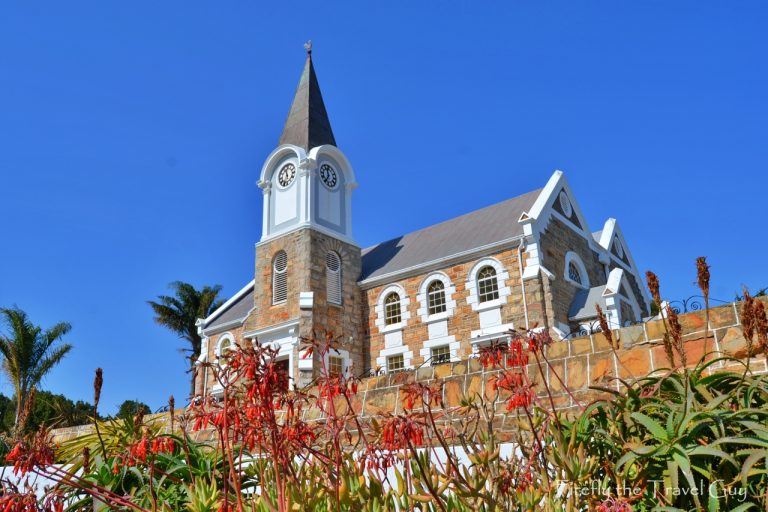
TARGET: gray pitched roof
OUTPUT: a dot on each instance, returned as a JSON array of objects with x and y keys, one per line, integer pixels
[
  {"x": 235, "y": 313},
  {"x": 583, "y": 305},
  {"x": 474, "y": 230},
  {"x": 307, "y": 125}
]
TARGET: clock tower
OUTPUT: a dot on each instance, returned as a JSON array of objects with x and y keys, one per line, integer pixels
[{"x": 307, "y": 262}]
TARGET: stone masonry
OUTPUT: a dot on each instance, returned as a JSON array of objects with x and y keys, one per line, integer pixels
[{"x": 582, "y": 364}]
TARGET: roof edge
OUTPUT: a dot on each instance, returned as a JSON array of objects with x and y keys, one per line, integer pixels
[
  {"x": 371, "y": 282},
  {"x": 245, "y": 289}
]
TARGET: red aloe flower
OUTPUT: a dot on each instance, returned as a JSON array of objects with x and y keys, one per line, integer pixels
[
  {"x": 492, "y": 355},
  {"x": 400, "y": 432},
  {"x": 32, "y": 453}
]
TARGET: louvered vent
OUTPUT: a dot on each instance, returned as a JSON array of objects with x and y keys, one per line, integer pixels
[
  {"x": 333, "y": 277},
  {"x": 280, "y": 278}
]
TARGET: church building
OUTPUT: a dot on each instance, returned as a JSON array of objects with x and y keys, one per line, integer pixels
[{"x": 432, "y": 296}]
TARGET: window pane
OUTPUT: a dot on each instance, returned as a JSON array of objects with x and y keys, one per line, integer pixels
[
  {"x": 224, "y": 347},
  {"x": 487, "y": 285},
  {"x": 573, "y": 273},
  {"x": 335, "y": 366},
  {"x": 436, "y": 298},
  {"x": 441, "y": 355},
  {"x": 392, "y": 313},
  {"x": 395, "y": 363}
]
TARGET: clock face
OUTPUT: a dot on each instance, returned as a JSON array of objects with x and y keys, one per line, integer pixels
[
  {"x": 328, "y": 175},
  {"x": 286, "y": 175}
]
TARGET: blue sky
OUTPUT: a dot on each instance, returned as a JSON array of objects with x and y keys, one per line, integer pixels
[{"x": 132, "y": 135}]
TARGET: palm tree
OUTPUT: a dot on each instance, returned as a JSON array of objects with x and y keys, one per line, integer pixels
[
  {"x": 28, "y": 354},
  {"x": 180, "y": 313}
]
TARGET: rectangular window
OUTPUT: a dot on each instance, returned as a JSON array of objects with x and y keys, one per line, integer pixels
[
  {"x": 335, "y": 366},
  {"x": 395, "y": 363},
  {"x": 441, "y": 355}
]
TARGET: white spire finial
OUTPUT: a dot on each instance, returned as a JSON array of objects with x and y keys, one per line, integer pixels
[{"x": 308, "y": 47}]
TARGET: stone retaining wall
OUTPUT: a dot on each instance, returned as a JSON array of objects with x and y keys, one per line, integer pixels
[{"x": 580, "y": 363}]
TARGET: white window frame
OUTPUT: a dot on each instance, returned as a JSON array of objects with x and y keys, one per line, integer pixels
[
  {"x": 404, "y": 367},
  {"x": 341, "y": 354},
  {"x": 227, "y": 336},
  {"x": 448, "y": 353},
  {"x": 334, "y": 277},
  {"x": 405, "y": 315},
  {"x": 572, "y": 257},
  {"x": 422, "y": 297},
  {"x": 275, "y": 274},
  {"x": 501, "y": 277}
]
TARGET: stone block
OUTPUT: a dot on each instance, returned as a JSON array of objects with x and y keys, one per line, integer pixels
[
  {"x": 380, "y": 401},
  {"x": 473, "y": 365},
  {"x": 695, "y": 351},
  {"x": 453, "y": 389},
  {"x": 634, "y": 363},
  {"x": 722, "y": 316},
  {"x": 556, "y": 375},
  {"x": 733, "y": 343},
  {"x": 693, "y": 321},
  {"x": 459, "y": 368},
  {"x": 581, "y": 346},
  {"x": 600, "y": 342},
  {"x": 402, "y": 378},
  {"x": 425, "y": 373},
  {"x": 442, "y": 371},
  {"x": 558, "y": 350},
  {"x": 632, "y": 335},
  {"x": 577, "y": 372},
  {"x": 474, "y": 386},
  {"x": 601, "y": 368},
  {"x": 655, "y": 330},
  {"x": 660, "y": 360}
]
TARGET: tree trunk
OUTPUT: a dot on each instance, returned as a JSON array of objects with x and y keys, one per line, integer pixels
[
  {"x": 20, "y": 398},
  {"x": 192, "y": 372},
  {"x": 197, "y": 345}
]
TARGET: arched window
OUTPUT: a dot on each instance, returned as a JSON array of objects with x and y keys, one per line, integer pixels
[
  {"x": 392, "y": 313},
  {"x": 280, "y": 278},
  {"x": 487, "y": 284},
  {"x": 225, "y": 345},
  {"x": 574, "y": 273},
  {"x": 333, "y": 278},
  {"x": 436, "y": 298}
]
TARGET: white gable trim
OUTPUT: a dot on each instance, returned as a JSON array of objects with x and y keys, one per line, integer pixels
[
  {"x": 537, "y": 220},
  {"x": 612, "y": 229},
  {"x": 244, "y": 290}
]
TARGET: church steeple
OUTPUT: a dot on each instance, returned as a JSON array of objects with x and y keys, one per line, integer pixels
[{"x": 307, "y": 125}]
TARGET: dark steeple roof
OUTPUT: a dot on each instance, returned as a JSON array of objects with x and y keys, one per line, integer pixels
[{"x": 307, "y": 125}]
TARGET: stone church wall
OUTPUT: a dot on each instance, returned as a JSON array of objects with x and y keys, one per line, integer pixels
[
  {"x": 555, "y": 242},
  {"x": 464, "y": 319}
]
